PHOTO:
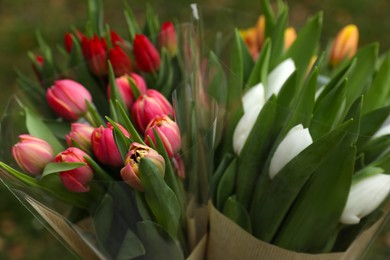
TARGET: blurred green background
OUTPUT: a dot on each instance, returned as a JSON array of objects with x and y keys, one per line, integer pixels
[{"x": 22, "y": 237}]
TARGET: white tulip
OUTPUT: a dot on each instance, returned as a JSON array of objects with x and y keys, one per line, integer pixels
[
  {"x": 296, "y": 140},
  {"x": 244, "y": 127},
  {"x": 278, "y": 77},
  {"x": 364, "y": 197},
  {"x": 383, "y": 130},
  {"x": 253, "y": 97}
]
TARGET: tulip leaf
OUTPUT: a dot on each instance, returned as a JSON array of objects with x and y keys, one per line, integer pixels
[
  {"x": 115, "y": 94},
  {"x": 354, "y": 113},
  {"x": 98, "y": 170},
  {"x": 218, "y": 174},
  {"x": 93, "y": 115},
  {"x": 129, "y": 126},
  {"x": 226, "y": 185},
  {"x": 329, "y": 112},
  {"x": 255, "y": 152},
  {"x": 36, "y": 127},
  {"x": 165, "y": 75},
  {"x": 269, "y": 17},
  {"x": 160, "y": 198},
  {"x": 278, "y": 38},
  {"x": 303, "y": 48},
  {"x": 237, "y": 212},
  {"x": 374, "y": 149},
  {"x": 95, "y": 15},
  {"x": 361, "y": 75},
  {"x": 23, "y": 177},
  {"x": 131, "y": 247},
  {"x": 157, "y": 242},
  {"x": 103, "y": 218},
  {"x": 152, "y": 26},
  {"x": 266, "y": 215},
  {"x": 260, "y": 70},
  {"x": 316, "y": 212},
  {"x": 217, "y": 87},
  {"x": 57, "y": 167},
  {"x": 121, "y": 141},
  {"x": 247, "y": 59},
  {"x": 131, "y": 21}
]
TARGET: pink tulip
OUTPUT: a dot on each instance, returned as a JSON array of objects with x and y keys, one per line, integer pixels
[
  {"x": 146, "y": 55},
  {"x": 167, "y": 130},
  {"x": 68, "y": 99},
  {"x": 104, "y": 146},
  {"x": 32, "y": 154},
  {"x": 148, "y": 106},
  {"x": 130, "y": 173},
  {"x": 81, "y": 135},
  {"x": 125, "y": 90},
  {"x": 76, "y": 180},
  {"x": 167, "y": 38}
]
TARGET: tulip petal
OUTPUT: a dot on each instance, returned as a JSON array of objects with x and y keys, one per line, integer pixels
[
  {"x": 253, "y": 97},
  {"x": 244, "y": 127},
  {"x": 365, "y": 196},
  {"x": 278, "y": 77},
  {"x": 296, "y": 140}
]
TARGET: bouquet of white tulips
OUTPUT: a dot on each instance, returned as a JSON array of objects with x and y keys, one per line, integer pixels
[{"x": 302, "y": 156}]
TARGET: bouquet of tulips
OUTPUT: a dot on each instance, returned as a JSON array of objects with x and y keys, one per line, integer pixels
[
  {"x": 95, "y": 140},
  {"x": 302, "y": 154}
]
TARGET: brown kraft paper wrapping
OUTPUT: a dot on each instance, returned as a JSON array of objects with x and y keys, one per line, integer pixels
[{"x": 228, "y": 241}]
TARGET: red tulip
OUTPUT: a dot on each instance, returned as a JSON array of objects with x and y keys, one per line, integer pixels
[
  {"x": 167, "y": 130},
  {"x": 120, "y": 61},
  {"x": 32, "y": 154},
  {"x": 146, "y": 55},
  {"x": 68, "y": 99},
  {"x": 167, "y": 38},
  {"x": 130, "y": 173},
  {"x": 76, "y": 180},
  {"x": 148, "y": 106},
  {"x": 95, "y": 52},
  {"x": 104, "y": 146}
]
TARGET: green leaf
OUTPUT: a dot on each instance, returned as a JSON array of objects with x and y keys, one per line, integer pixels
[
  {"x": 165, "y": 75},
  {"x": 93, "y": 115},
  {"x": 115, "y": 95},
  {"x": 361, "y": 76},
  {"x": 247, "y": 59},
  {"x": 303, "y": 48},
  {"x": 329, "y": 112},
  {"x": 158, "y": 244},
  {"x": 160, "y": 198},
  {"x": 102, "y": 219},
  {"x": 95, "y": 15},
  {"x": 226, "y": 184},
  {"x": 56, "y": 167},
  {"x": 316, "y": 212},
  {"x": 255, "y": 152},
  {"x": 121, "y": 141},
  {"x": 131, "y": 247},
  {"x": 237, "y": 212},
  {"x": 152, "y": 26},
  {"x": 266, "y": 215},
  {"x": 260, "y": 70},
  {"x": 378, "y": 93},
  {"x": 129, "y": 126},
  {"x": 218, "y": 174},
  {"x": 131, "y": 21},
  {"x": 36, "y": 127},
  {"x": 217, "y": 88},
  {"x": 269, "y": 17},
  {"x": 278, "y": 38},
  {"x": 26, "y": 179}
]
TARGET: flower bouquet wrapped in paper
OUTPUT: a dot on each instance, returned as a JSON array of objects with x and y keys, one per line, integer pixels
[
  {"x": 101, "y": 148},
  {"x": 302, "y": 159}
]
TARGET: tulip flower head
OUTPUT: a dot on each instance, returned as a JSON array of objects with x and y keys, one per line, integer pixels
[
  {"x": 120, "y": 61},
  {"x": 76, "y": 180},
  {"x": 260, "y": 31},
  {"x": 95, "y": 52},
  {"x": 250, "y": 38},
  {"x": 81, "y": 135},
  {"x": 104, "y": 146},
  {"x": 125, "y": 89},
  {"x": 365, "y": 196},
  {"x": 167, "y": 130},
  {"x": 295, "y": 141},
  {"x": 130, "y": 172},
  {"x": 345, "y": 45},
  {"x": 146, "y": 55},
  {"x": 148, "y": 106},
  {"x": 68, "y": 99},
  {"x": 167, "y": 38},
  {"x": 289, "y": 37},
  {"x": 32, "y": 154}
]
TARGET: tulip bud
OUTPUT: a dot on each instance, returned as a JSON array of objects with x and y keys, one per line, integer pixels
[
  {"x": 37, "y": 66},
  {"x": 296, "y": 140},
  {"x": 32, "y": 154},
  {"x": 260, "y": 31},
  {"x": 125, "y": 89},
  {"x": 345, "y": 45},
  {"x": 167, "y": 38},
  {"x": 146, "y": 55},
  {"x": 120, "y": 61},
  {"x": 68, "y": 99},
  {"x": 365, "y": 195},
  {"x": 81, "y": 135},
  {"x": 116, "y": 40},
  {"x": 278, "y": 76},
  {"x": 104, "y": 146},
  {"x": 148, "y": 106},
  {"x": 130, "y": 173},
  {"x": 69, "y": 41},
  {"x": 250, "y": 38},
  {"x": 95, "y": 52},
  {"x": 76, "y": 180},
  {"x": 167, "y": 130},
  {"x": 289, "y": 37}
]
